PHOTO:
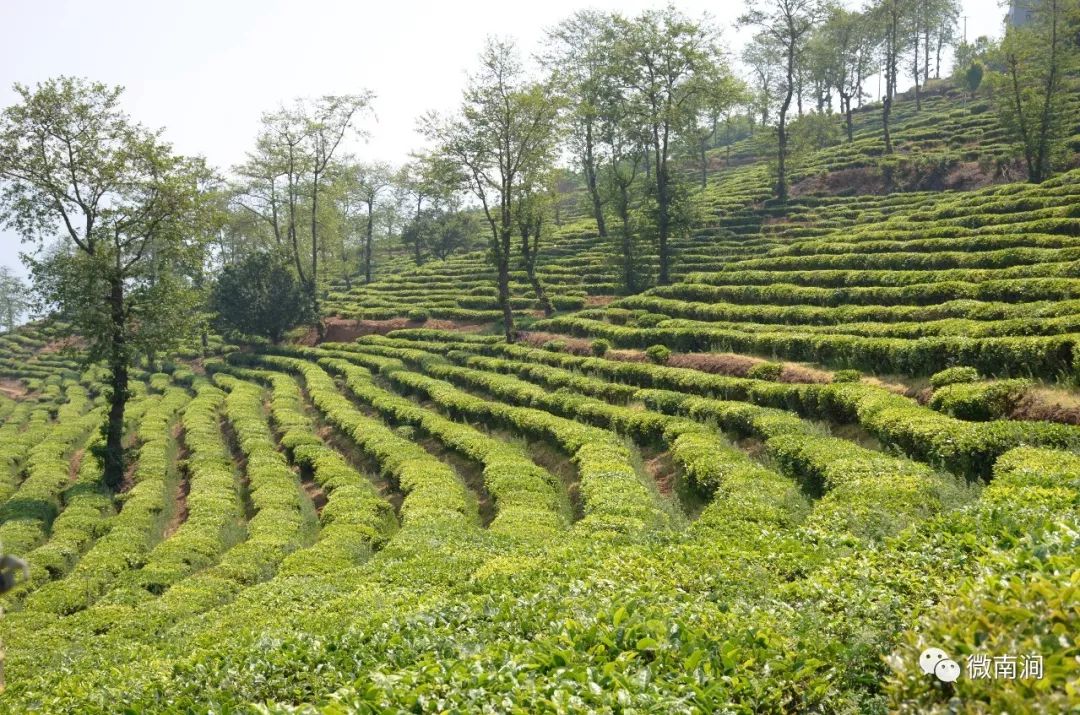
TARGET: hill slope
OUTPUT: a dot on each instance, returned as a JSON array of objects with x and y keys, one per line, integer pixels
[{"x": 435, "y": 520}]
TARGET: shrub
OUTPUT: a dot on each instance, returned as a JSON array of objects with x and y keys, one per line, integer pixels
[
  {"x": 599, "y": 347},
  {"x": 418, "y": 315},
  {"x": 766, "y": 371},
  {"x": 979, "y": 401},
  {"x": 568, "y": 302},
  {"x": 658, "y": 354},
  {"x": 259, "y": 296},
  {"x": 953, "y": 376},
  {"x": 555, "y": 346},
  {"x": 650, "y": 320},
  {"x": 847, "y": 376}
]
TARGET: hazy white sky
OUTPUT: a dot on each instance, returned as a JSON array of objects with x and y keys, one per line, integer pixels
[{"x": 206, "y": 69}]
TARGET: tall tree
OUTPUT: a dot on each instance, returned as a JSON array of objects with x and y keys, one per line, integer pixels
[
  {"x": 325, "y": 124},
  {"x": 373, "y": 179},
  {"x": 621, "y": 180},
  {"x": 788, "y": 23},
  {"x": 124, "y": 209},
  {"x": 298, "y": 144},
  {"x": 579, "y": 53},
  {"x": 845, "y": 47},
  {"x": 718, "y": 98},
  {"x": 435, "y": 222},
  {"x": 892, "y": 18},
  {"x": 948, "y": 14},
  {"x": 533, "y": 211},
  {"x": 1032, "y": 91},
  {"x": 258, "y": 189},
  {"x": 501, "y": 138},
  {"x": 762, "y": 56},
  {"x": 667, "y": 63},
  {"x": 14, "y": 298}
]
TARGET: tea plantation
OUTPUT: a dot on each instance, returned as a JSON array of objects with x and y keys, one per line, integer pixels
[{"x": 846, "y": 432}]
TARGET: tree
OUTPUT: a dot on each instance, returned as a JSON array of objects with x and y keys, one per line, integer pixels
[
  {"x": 14, "y": 298},
  {"x": 620, "y": 184},
  {"x": 258, "y": 190},
  {"x": 450, "y": 230},
  {"x": 372, "y": 179},
  {"x": 297, "y": 146},
  {"x": 1032, "y": 92},
  {"x": 667, "y": 63},
  {"x": 843, "y": 51},
  {"x": 939, "y": 31},
  {"x": 980, "y": 51},
  {"x": 260, "y": 295},
  {"x": 125, "y": 211},
  {"x": 762, "y": 55},
  {"x": 788, "y": 23},
  {"x": 432, "y": 185},
  {"x": 717, "y": 100},
  {"x": 579, "y": 54},
  {"x": 973, "y": 78},
  {"x": 535, "y": 204},
  {"x": 502, "y": 137},
  {"x": 892, "y": 17}
]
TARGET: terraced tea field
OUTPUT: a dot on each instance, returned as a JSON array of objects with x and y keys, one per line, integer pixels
[{"x": 848, "y": 431}]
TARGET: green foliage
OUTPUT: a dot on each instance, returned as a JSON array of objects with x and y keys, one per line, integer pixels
[
  {"x": 144, "y": 230},
  {"x": 954, "y": 375},
  {"x": 658, "y": 354},
  {"x": 973, "y": 77},
  {"x": 442, "y": 520},
  {"x": 991, "y": 400},
  {"x": 1031, "y": 89},
  {"x": 261, "y": 296},
  {"x": 766, "y": 371},
  {"x": 418, "y": 315},
  {"x": 650, "y": 320}
]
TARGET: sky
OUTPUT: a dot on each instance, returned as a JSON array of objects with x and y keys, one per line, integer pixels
[{"x": 205, "y": 70}]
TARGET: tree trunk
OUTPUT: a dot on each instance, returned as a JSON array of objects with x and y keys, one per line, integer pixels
[
  {"x": 529, "y": 254},
  {"x": 629, "y": 279},
  {"x": 918, "y": 101},
  {"x": 118, "y": 387},
  {"x": 630, "y": 283},
  {"x": 846, "y": 101},
  {"x": 890, "y": 81},
  {"x": 940, "y": 44},
  {"x": 590, "y": 180},
  {"x": 886, "y": 108},
  {"x": 1042, "y": 157},
  {"x": 503, "y": 261},
  {"x": 1025, "y": 136},
  {"x": 320, "y": 329},
  {"x": 369, "y": 242},
  {"x": 781, "y": 129},
  {"x": 926, "y": 54},
  {"x": 663, "y": 220},
  {"x": 704, "y": 164}
]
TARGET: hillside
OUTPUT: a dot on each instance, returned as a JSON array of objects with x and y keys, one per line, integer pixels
[{"x": 859, "y": 439}]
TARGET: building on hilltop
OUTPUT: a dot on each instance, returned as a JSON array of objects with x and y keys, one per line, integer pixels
[{"x": 1020, "y": 13}]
